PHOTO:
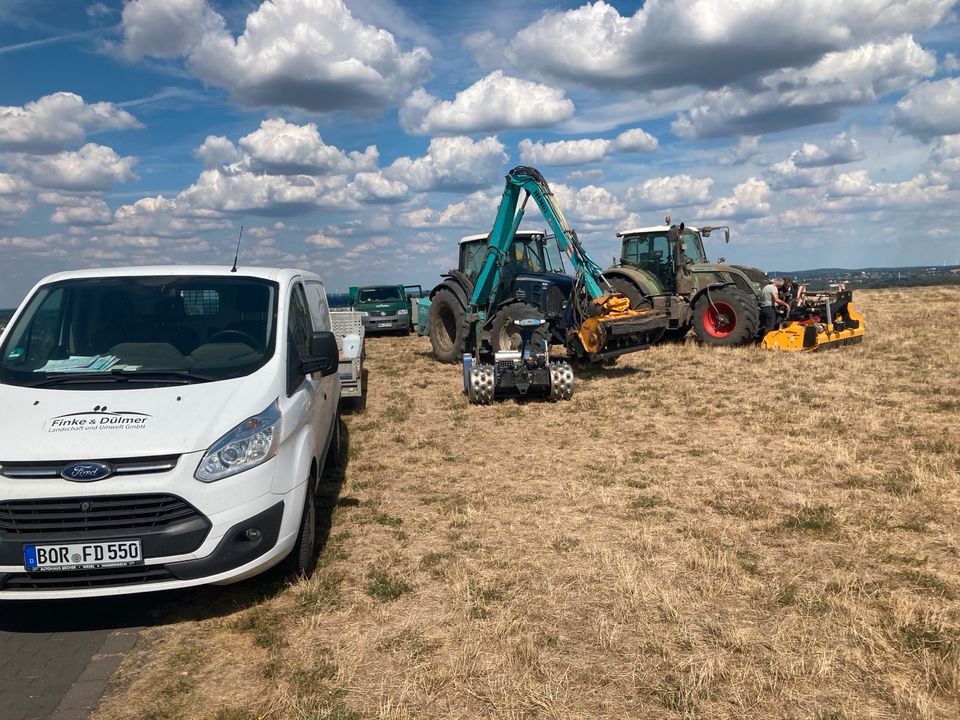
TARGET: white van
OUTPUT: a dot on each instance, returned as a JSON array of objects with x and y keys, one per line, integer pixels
[{"x": 163, "y": 427}]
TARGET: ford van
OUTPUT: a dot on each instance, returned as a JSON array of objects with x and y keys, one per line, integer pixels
[{"x": 163, "y": 427}]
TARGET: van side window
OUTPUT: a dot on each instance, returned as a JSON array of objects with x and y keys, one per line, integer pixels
[
  {"x": 317, "y": 304},
  {"x": 43, "y": 336},
  {"x": 299, "y": 321}
]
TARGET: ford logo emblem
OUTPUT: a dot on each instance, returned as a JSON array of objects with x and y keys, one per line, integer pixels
[{"x": 86, "y": 471}]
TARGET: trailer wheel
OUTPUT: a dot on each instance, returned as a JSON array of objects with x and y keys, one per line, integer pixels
[
  {"x": 303, "y": 556},
  {"x": 726, "y": 317},
  {"x": 448, "y": 327}
]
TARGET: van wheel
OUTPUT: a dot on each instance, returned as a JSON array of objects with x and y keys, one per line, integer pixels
[
  {"x": 334, "y": 452},
  {"x": 303, "y": 556}
]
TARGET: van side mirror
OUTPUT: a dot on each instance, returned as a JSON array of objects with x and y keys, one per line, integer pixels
[
  {"x": 324, "y": 355},
  {"x": 726, "y": 234}
]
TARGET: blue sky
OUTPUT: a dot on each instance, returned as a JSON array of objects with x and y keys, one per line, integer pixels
[{"x": 361, "y": 138}]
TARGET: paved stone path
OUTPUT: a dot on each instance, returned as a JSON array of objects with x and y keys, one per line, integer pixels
[{"x": 57, "y": 657}]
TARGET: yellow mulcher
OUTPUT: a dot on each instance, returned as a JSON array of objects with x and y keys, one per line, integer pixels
[{"x": 817, "y": 321}]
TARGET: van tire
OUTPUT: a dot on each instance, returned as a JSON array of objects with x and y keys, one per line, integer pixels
[
  {"x": 303, "y": 556},
  {"x": 335, "y": 451}
]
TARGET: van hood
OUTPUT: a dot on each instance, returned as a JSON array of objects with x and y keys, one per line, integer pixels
[
  {"x": 53, "y": 424},
  {"x": 381, "y": 305}
]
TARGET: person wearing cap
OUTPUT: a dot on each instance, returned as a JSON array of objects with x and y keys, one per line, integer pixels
[{"x": 769, "y": 299}]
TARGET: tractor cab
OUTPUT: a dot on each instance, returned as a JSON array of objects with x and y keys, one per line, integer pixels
[
  {"x": 532, "y": 252},
  {"x": 651, "y": 249}
]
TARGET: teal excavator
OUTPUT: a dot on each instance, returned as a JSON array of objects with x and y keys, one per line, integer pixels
[{"x": 511, "y": 299}]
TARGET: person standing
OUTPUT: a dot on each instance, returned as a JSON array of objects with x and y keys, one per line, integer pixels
[
  {"x": 787, "y": 291},
  {"x": 769, "y": 299}
]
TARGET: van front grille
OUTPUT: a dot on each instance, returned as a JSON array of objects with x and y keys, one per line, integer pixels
[
  {"x": 121, "y": 466},
  {"x": 127, "y": 513}
]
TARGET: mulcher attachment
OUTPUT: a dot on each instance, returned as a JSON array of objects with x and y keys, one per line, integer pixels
[
  {"x": 527, "y": 371},
  {"x": 818, "y": 322}
]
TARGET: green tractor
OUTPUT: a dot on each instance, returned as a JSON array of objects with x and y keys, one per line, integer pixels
[{"x": 665, "y": 267}]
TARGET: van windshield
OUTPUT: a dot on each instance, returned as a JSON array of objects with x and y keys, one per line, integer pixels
[
  {"x": 379, "y": 294},
  {"x": 154, "y": 329}
]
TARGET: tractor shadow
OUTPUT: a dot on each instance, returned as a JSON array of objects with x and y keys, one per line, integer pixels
[{"x": 155, "y": 609}]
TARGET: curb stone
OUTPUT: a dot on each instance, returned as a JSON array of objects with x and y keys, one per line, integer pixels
[{"x": 85, "y": 693}]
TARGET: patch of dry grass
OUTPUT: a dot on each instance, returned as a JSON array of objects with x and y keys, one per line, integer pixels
[{"x": 698, "y": 533}]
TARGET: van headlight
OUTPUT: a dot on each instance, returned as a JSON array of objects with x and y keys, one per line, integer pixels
[{"x": 252, "y": 442}]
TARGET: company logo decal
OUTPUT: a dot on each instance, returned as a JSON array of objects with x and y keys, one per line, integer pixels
[
  {"x": 86, "y": 472},
  {"x": 98, "y": 419}
]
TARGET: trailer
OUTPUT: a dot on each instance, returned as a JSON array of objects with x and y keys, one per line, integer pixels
[{"x": 347, "y": 326}]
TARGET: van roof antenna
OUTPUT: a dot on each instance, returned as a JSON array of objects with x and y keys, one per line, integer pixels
[{"x": 237, "y": 255}]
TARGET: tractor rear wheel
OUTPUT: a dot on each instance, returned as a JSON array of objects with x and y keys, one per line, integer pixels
[
  {"x": 726, "y": 317},
  {"x": 448, "y": 327}
]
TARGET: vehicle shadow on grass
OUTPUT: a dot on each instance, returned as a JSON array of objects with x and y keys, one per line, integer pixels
[
  {"x": 598, "y": 371},
  {"x": 154, "y": 609}
]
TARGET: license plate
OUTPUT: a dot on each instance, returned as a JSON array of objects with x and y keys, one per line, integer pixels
[
  {"x": 386, "y": 324},
  {"x": 77, "y": 556}
]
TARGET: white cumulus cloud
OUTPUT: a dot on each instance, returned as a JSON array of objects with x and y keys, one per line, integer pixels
[
  {"x": 278, "y": 147},
  {"x": 167, "y": 28},
  {"x": 309, "y": 54},
  {"x": 586, "y": 150},
  {"x": 796, "y": 97},
  {"x": 854, "y": 192},
  {"x": 91, "y": 168},
  {"x": 322, "y": 240},
  {"x": 669, "y": 192},
  {"x": 475, "y": 213},
  {"x": 452, "y": 163},
  {"x": 707, "y": 43},
  {"x": 841, "y": 150},
  {"x": 930, "y": 109},
  {"x": 54, "y": 122},
  {"x": 748, "y": 200},
  {"x": 89, "y": 212},
  {"x": 495, "y": 102}
]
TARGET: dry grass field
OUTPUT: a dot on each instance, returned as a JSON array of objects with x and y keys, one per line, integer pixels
[{"x": 699, "y": 533}]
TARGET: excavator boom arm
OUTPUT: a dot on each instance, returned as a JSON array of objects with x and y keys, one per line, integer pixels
[{"x": 529, "y": 181}]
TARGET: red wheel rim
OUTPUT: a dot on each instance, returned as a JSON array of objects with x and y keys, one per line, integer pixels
[{"x": 719, "y": 320}]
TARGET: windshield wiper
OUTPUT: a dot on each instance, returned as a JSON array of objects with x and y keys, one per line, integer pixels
[{"x": 172, "y": 377}]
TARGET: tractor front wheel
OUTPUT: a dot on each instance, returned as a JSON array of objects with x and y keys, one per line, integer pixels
[
  {"x": 448, "y": 327},
  {"x": 726, "y": 317}
]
